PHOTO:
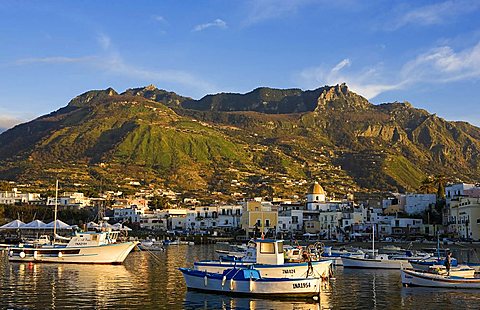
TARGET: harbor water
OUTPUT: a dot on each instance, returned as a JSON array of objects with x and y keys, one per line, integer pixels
[{"x": 152, "y": 281}]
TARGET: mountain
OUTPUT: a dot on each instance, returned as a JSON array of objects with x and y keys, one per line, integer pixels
[{"x": 265, "y": 142}]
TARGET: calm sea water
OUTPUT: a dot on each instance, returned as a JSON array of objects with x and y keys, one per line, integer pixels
[{"x": 153, "y": 282}]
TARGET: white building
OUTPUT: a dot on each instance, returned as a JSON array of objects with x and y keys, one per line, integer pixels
[
  {"x": 418, "y": 203},
  {"x": 465, "y": 217},
  {"x": 70, "y": 199},
  {"x": 16, "y": 196}
]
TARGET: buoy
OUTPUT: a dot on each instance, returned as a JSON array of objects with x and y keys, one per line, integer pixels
[
  {"x": 231, "y": 284},
  {"x": 223, "y": 280},
  {"x": 60, "y": 254},
  {"x": 11, "y": 253},
  {"x": 35, "y": 254},
  {"x": 205, "y": 280},
  {"x": 22, "y": 254}
]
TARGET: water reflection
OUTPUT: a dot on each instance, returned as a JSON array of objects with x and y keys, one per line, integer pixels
[
  {"x": 148, "y": 281},
  {"x": 198, "y": 300}
]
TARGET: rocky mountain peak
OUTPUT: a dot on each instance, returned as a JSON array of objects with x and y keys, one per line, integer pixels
[
  {"x": 87, "y": 98},
  {"x": 339, "y": 97}
]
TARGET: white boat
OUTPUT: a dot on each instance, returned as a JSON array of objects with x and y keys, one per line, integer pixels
[
  {"x": 250, "y": 282},
  {"x": 380, "y": 261},
  {"x": 83, "y": 248},
  {"x": 463, "y": 271},
  {"x": 267, "y": 257},
  {"x": 151, "y": 245},
  {"x": 419, "y": 278},
  {"x": 374, "y": 260},
  {"x": 336, "y": 255}
]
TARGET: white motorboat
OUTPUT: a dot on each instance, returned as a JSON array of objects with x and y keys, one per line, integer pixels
[
  {"x": 151, "y": 245},
  {"x": 374, "y": 260},
  {"x": 267, "y": 257},
  {"x": 83, "y": 248},
  {"x": 381, "y": 261},
  {"x": 420, "y": 278},
  {"x": 250, "y": 282},
  {"x": 336, "y": 255}
]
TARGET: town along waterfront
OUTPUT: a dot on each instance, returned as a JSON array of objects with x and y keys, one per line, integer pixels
[{"x": 148, "y": 281}]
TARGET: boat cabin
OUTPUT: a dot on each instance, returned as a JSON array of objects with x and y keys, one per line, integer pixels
[
  {"x": 87, "y": 239},
  {"x": 270, "y": 252}
]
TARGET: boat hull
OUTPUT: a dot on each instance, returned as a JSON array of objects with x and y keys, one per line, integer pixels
[
  {"x": 210, "y": 282},
  {"x": 416, "y": 278},
  {"x": 103, "y": 254},
  {"x": 353, "y": 262},
  {"x": 287, "y": 270}
]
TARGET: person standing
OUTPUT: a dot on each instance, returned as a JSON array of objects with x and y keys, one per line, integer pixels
[{"x": 448, "y": 262}]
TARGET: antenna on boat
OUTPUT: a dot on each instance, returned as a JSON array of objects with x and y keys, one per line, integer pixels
[{"x": 56, "y": 206}]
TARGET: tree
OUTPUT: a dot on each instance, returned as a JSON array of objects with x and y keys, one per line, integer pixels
[
  {"x": 427, "y": 186},
  {"x": 440, "y": 181}
]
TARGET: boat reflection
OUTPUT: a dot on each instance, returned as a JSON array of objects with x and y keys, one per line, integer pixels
[
  {"x": 102, "y": 283},
  {"x": 200, "y": 300}
]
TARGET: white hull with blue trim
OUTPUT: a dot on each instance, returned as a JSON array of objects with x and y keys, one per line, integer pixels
[
  {"x": 287, "y": 270},
  {"x": 249, "y": 282},
  {"x": 419, "y": 278}
]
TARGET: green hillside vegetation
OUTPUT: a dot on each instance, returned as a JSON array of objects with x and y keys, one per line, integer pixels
[{"x": 270, "y": 140}]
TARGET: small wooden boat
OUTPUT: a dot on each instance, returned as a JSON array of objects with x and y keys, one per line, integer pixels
[
  {"x": 420, "y": 278},
  {"x": 249, "y": 282}
]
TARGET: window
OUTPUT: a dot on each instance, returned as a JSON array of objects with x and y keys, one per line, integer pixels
[
  {"x": 280, "y": 247},
  {"x": 267, "y": 248},
  {"x": 259, "y": 223},
  {"x": 267, "y": 223}
]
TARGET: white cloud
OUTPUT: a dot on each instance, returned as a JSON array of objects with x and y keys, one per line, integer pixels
[
  {"x": 54, "y": 60},
  {"x": 438, "y": 65},
  {"x": 366, "y": 82},
  {"x": 260, "y": 10},
  {"x": 104, "y": 41},
  {"x": 160, "y": 19},
  {"x": 216, "y": 23},
  {"x": 8, "y": 121},
  {"x": 111, "y": 62},
  {"x": 443, "y": 64},
  {"x": 437, "y": 13},
  {"x": 115, "y": 64}
]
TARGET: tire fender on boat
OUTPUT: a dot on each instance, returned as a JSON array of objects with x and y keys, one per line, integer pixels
[{"x": 22, "y": 254}]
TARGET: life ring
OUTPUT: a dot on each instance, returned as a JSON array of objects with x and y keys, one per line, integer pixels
[
  {"x": 60, "y": 254},
  {"x": 22, "y": 254}
]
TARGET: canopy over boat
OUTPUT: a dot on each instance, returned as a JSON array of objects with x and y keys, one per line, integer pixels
[
  {"x": 36, "y": 224},
  {"x": 13, "y": 225}
]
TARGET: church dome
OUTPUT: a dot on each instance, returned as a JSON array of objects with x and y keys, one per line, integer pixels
[{"x": 316, "y": 189}]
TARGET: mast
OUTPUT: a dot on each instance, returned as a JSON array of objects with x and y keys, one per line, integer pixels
[
  {"x": 373, "y": 240},
  {"x": 56, "y": 205}
]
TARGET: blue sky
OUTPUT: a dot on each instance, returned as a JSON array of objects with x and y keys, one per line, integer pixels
[{"x": 425, "y": 52}]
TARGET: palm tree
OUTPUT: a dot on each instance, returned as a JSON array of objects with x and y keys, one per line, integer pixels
[
  {"x": 427, "y": 186},
  {"x": 440, "y": 181}
]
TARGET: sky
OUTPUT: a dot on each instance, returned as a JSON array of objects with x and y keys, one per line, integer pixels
[{"x": 424, "y": 52}]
